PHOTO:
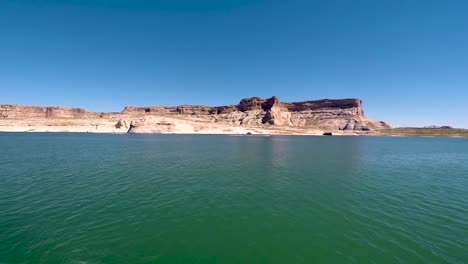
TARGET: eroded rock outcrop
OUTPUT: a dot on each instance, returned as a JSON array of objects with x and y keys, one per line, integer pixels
[
  {"x": 274, "y": 114},
  {"x": 121, "y": 124},
  {"x": 22, "y": 111},
  {"x": 344, "y": 115}
]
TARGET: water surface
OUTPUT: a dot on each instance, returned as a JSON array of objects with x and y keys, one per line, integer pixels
[{"x": 88, "y": 198}]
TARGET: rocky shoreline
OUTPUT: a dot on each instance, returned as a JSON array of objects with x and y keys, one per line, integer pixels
[{"x": 250, "y": 115}]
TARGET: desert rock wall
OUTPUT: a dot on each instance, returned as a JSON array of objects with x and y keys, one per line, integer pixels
[{"x": 327, "y": 114}]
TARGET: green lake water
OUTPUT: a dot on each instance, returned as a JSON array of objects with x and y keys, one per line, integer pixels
[{"x": 88, "y": 198}]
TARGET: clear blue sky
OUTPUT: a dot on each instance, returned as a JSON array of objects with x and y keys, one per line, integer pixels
[{"x": 407, "y": 60}]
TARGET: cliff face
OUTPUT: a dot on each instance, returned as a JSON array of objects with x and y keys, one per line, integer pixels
[
  {"x": 20, "y": 111},
  {"x": 25, "y": 111},
  {"x": 342, "y": 114}
]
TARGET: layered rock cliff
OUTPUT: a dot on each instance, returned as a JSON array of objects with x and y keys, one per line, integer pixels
[
  {"x": 20, "y": 111},
  {"x": 26, "y": 111},
  {"x": 325, "y": 115},
  {"x": 342, "y": 114}
]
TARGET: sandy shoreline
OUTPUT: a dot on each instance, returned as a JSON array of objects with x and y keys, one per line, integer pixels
[
  {"x": 232, "y": 131},
  {"x": 148, "y": 125},
  {"x": 191, "y": 126}
]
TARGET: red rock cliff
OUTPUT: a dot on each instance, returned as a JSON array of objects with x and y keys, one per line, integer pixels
[
  {"x": 341, "y": 114},
  {"x": 21, "y": 111}
]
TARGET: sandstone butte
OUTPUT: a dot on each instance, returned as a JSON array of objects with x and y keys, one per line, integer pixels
[{"x": 249, "y": 116}]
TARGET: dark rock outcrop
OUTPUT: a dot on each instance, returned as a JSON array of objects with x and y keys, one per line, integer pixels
[
  {"x": 249, "y": 104},
  {"x": 273, "y": 111}
]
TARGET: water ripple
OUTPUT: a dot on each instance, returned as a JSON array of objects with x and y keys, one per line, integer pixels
[{"x": 78, "y": 198}]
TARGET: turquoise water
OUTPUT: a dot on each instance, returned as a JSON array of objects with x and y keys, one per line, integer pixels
[{"x": 87, "y": 198}]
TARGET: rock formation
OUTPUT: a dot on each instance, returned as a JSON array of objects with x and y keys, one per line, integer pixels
[
  {"x": 345, "y": 115},
  {"x": 121, "y": 124},
  {"x": 20, "y": 111}
]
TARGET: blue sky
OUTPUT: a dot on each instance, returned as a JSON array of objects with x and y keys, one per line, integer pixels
[{"x": 407, "y": 60}]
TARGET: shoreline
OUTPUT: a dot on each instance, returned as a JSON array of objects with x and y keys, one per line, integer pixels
[
  {"x": 232, "y": 134},
  {"x": 191, "y": 125}
]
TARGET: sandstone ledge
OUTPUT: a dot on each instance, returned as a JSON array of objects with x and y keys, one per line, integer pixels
[{"x": 251, "y": 115}]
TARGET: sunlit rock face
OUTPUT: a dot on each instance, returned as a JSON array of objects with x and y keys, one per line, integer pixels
[
  {"x": 25, "y": 111},
  {"x": 344, "y": 115},
  {"x": 340, "y": 114}
]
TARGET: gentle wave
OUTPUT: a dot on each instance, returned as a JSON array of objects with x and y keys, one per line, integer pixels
[{"x": 140, "y": 199}]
